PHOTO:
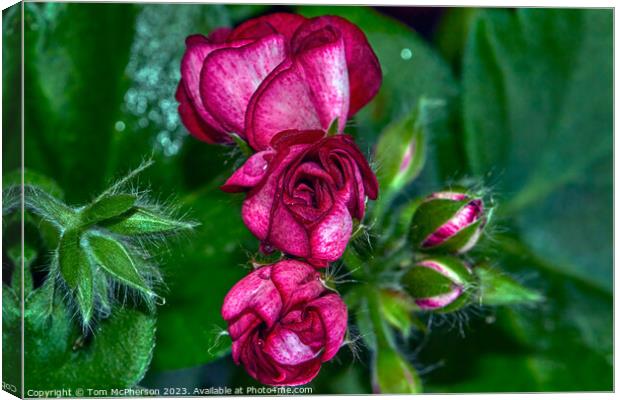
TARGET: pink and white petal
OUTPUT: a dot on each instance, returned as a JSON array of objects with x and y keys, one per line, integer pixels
[
  {"x": 325, "y": 72},
  {"x": 254, "y": 293},
  {"x": 281, "y": 103},
  {"x": 230, "y": 77},
  {"x": 287, "y": 233},
  {"x": 286, "y": 348},
  {"x": 198, "y": 48},
  {"x": 250, "y": 173},
  {"x": 243, "y": 325},
  {"x": 365, "y": 74},
  {"x": 297, "y": 282},
  {"x": 333, "y": 313},
  {"x": 330, "y": 237}
]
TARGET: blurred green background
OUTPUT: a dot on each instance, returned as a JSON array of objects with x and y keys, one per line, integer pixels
[{"x": 527, "y": 109}]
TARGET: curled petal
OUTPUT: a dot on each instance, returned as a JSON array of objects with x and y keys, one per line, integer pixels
[
  {"x": 333, "y": 313},
  {"x": 250, "y": 173},
  {"x": 257, "y": 207},
  {"x": 253, "y": 294},
  {"x": 192, "y": 121},
  {"x": 297, "y": 282}
]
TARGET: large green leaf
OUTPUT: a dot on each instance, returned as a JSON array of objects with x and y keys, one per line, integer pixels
[
  {"x": 74, "y": 90},
  {"x": 116, "y": 356},
  {"x": 537, "y": 111},
  {"x": 200, "y": 270}
]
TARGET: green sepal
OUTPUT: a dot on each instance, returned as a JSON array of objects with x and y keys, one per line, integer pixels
[
  {"x": 140, "y": 221},
  {"x": 497, "y": 288},
  {"x": 421, "y": 282},
  {"x": 102, "y": 298},
  {"x": 114, "y": 258},
  {"x": 106, "y": 207},
  {"x": 243, "y": 145},
  {"x": 333, "y": 128},
  {"x": 392, "y": 374},
  {"x": 397, "y": 309},
  {"x": 77, "y": 272},
  {"x": 48, "y": 207}
]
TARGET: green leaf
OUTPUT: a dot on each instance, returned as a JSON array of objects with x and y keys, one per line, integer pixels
[
  {"x": 538, "y": 122},
  {"x": 74, "y": 91},
  {"x": 497, "y": 288},
  {"x": 77, "y": 272},
  {"x": 116, "y": 356},
  {"x": 33, "y": 178},
  {"x": 107, "y": 207},
  {"x": 48, "y": 207},
  {"x": 141, "y": 221},
  {"x": 116, "y": 260}
]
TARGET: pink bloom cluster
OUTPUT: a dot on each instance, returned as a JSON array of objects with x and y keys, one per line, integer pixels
[{"x": 286, "y": 85}]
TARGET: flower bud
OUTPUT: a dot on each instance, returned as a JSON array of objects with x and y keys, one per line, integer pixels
[
  {"x": 439, "y": 283},
  {"x": 449, "y": 221}
]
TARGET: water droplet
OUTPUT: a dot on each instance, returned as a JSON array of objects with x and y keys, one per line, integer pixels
[
  {"x": 406, "y": 54},
  {"x": 119, "y": 126}
]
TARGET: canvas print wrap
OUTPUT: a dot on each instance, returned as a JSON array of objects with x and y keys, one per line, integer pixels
[{"x": 254, "y": 199}]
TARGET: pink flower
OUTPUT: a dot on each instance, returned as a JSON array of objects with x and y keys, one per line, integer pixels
[
  {"x": 284, "y": 323},
  {"x": 277, "y": 72},
  {"x": 304, "y": 192}
]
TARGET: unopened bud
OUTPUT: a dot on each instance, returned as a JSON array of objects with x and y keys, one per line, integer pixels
[
  {"x": 439, "y": 283},
  {"x": 449, "y": 221}
]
